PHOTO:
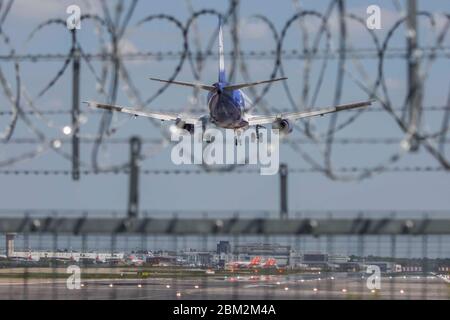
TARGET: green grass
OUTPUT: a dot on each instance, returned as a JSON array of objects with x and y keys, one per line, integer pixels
[{"x": 143, "y": 272}]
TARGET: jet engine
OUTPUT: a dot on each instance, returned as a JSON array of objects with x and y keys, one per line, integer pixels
[
  {"x": 283, "y": 125},
  {"x": 184, "y": 126}
]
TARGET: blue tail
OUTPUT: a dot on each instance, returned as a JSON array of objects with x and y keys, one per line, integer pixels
[{"x": 222, "y": 73}]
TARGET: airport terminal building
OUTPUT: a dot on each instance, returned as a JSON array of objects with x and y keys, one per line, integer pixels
[{"x": 245, "y": 252}]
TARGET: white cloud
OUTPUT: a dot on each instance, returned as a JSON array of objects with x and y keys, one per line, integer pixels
[
  {"x": 356, "y": 29},
  {"x": 394, "y": 83},
  {"x": 441, "y": 21},
  {"x": 252, "y": 29},
  {"x": 125, "y": 47},
  {"x": 37, "y": 11}
]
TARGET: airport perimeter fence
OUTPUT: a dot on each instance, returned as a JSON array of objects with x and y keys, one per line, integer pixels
[
  {"x": 166, "y": 256},
  {"x": 174, "y": 257}
]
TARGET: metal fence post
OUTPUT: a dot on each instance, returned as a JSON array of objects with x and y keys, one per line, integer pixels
[
  {"x": 283, "y": 191},
  {"x": 414, "y": 82},
  {"x": 75, "y": 110},
  {"x": 133, "y": 200}
]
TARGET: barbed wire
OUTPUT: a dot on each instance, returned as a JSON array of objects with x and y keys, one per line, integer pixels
[
  {"x": 320, "y": 46},
  {"x": 64, "y": 112},
  {"x": 359, "y": 53},
  {"x": 51, "y": 172},
  {"x": 343, "y": 141}
]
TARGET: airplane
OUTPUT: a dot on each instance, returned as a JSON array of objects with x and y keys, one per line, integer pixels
[
  {"x": 135, "y": 260},
  {"x": 28, "y": 258},
  {"x": 255, "y": 262},
  {"x": 227, "y": 106},
  {"x": 270, "y": 263},
  {"x": 100, "y": 260}
]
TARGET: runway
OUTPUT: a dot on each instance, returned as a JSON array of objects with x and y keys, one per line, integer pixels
[{"x": 332, "y": 287}]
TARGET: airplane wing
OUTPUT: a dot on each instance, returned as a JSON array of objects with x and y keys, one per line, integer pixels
[
  {"x": 293, "y": 116},
  {"x": 163, "y": 116}
]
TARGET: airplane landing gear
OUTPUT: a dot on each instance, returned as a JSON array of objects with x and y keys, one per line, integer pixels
[
  {"x": 237, "y": 137},
  {"x": 258, "y": 134},
  {"x": 209, "y": 139}
]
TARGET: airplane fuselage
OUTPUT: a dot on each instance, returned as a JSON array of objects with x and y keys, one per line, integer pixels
[{"x": 226, "y": 107}]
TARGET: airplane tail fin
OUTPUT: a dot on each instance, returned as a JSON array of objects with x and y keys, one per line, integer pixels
[
  {"x": 222, "y": 73},
  {"x": 271, "y": 262}
]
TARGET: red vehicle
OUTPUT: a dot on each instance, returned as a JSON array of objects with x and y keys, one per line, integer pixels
[{"x": 255, "y": 262}]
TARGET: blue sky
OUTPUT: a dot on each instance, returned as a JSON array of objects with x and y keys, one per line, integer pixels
[{"x": 309, "y": 191}]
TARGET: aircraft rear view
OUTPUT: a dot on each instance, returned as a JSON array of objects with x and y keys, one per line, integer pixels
[
  {"x": 227, "y": 105},
  {"x": 220, "y": 187}
]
